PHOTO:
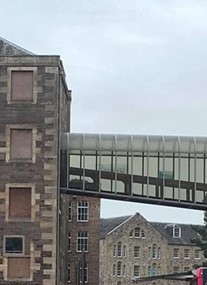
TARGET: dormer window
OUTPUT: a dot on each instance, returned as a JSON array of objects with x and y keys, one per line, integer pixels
[{"x": 176, "y": 231}]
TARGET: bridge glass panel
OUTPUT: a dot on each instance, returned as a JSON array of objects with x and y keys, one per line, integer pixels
[{"x": 154, "y": 168}]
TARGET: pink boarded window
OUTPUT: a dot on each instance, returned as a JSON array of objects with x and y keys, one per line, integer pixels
[
  {"x": 21, "y": 143},
  {"x": 21, "y": 85}
]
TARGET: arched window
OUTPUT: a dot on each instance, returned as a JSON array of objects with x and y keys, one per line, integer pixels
[
  {"x": 131, "y": 234},
  {"x": 137, "y": 232},
  {"x": 124, "y": 251},
  {"x": 143, "y": 234},
  {"x": 176, "y": 231},
  {"x": 114, "y": 270},
  {"x": 154, "y": 269},
  {"x": 149, "y": 251},
  {"x": 119, "y": 269},
  {"x": 136, "y": 271},
  {"x": 154, "y": 251},
  {"x": 119, "y": 249},
  {"x": 158, "y": 253},
  {"x": 114, "y": 250},
  {"x": 124, "y": 270}
]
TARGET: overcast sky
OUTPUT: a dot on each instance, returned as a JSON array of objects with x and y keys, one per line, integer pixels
[{"x": 133, "y": 66}]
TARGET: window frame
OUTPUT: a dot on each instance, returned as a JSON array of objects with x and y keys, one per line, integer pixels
[
  {"x": 199, "y": 253},
  {"x": 176, "y": 249},
  {"x": 119, "y": 249},
  {"x": 69, "y": 272},
  {"x": 82, "y": 240},
  {"x": 33, "y": 144},
  {"x": 82, "y": 211},
  {"x": 136, "y": 269},
  {"x": 69, "y": 242},
  {"x": 33, "y": 197},
  {"x": 114, "y": 270},
  {"x": 119, "y": 269},
  {"x": 13, "y": 254},
  {"x": 176, "y": 231},
  {"x": 114, "y": 250},
  {"x": 69, "y": 211},
  {"x": 9, "y": 85},
  {"x": 136, "y": 251},
  {"x": 186, "y": 253}
]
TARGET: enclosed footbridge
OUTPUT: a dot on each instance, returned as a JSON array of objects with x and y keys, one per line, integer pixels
[{"x": 164, "y": 170}]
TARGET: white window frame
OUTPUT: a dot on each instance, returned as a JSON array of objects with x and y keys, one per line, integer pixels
[
  {"x": 124, "y": 251},
  {"x": 176, "y": 250},
  {"x": 69, "y": 272},
  {"x": 114, "y": 250},
  {"x": 136, "y": 271},
  {"x": 124, "y": 270},
  {"x": 153, "y": 269},
  {"x": 69, "y": 242},
  {"x": 119, "y": 269},
  {"x": 82, "y": 211},
  {"x": 175, "y": 269},
  {"x": 186, "y": 253},
  {"x": 136, "y": 251},
  {"x": 176, "y": 231},
  {"x": 70, "y": 211},
  {"x": 197, "y": 253},
  {"x": 154, "y": 251},
  {"x": 82, "y": 241},
  {"x": 137, "y": 232},
  {"x": 119, "y": 249},
  {"x": 114, "y": 270}
]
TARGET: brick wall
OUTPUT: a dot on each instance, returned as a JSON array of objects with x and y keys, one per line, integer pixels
[{"x": 92, "y": 227}]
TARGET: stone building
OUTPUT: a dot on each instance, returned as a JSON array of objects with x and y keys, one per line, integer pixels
[
  {"x": 34, "y": 111},
  {"x": 131, "y": 247}
]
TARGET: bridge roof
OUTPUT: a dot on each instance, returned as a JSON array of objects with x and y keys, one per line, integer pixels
[{"x": 133, "y": 143}]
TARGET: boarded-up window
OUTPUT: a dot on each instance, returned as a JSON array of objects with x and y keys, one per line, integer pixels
[
  {"x": 20, "y": 203},
  {"x": 21, "y": 144},
  {"x": 18, "y": 267},
  {"x": 21, "y": 85}
]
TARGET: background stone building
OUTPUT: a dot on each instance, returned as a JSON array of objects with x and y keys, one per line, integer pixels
[
  {"x": 131, "y": 247},
  {"x": 34, "y": 110}
]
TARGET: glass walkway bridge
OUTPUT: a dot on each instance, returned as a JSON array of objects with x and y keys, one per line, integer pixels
[{"x": 164, "y": 170}]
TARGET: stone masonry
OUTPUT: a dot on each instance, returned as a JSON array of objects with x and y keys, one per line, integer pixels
[{"x": 44, "y": 116}]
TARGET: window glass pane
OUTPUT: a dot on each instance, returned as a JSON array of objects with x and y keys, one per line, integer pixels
[
  {"x": 82, "y": 241},
  {"x": 153, "y": 166},
  {"x": 136, "y": 271},
  {"x": 184, "y": 167},
  {"x": 13, "y": 245},
  {"x": 83, "y": 209},
  {"x": 200, "y": 169}
]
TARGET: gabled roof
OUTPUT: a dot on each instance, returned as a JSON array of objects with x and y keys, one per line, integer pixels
[
  {"x": 107, "y": 225},
  {"x": 188, "y": 235},
  {"x": 10, "y": 49}
]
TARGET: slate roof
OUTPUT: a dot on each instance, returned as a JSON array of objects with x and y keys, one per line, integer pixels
[
  {"x": 10, "y": 49},
  {"x": 187, "y": 233},
  {"x": 107, "y": 225}
]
